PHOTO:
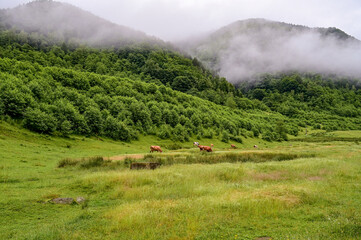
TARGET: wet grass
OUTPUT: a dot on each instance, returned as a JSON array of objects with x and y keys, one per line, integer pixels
[
  {"x": 89, "y": 162},
  {"x": 214, "y": 158},
  {"x": 228, "y": 194}
]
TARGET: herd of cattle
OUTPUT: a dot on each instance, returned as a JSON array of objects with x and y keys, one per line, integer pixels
[
  {"x": 201, "y": 147},
  {"x": 154, "y": 165}
]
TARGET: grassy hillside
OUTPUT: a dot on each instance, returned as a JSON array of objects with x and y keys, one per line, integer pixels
[
  {"x": 73, "y": 118},
  {"x": 314, "y": 198}
]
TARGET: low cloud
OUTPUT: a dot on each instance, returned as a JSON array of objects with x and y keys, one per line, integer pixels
[{"x": 246, "y": 56}]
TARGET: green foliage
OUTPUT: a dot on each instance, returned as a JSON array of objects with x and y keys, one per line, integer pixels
[
  {"x": 39, "y": 121},
  {"x": 86, "y": 163},
  {"x": 225, "y": 137},
  {"x": 236, "y": 138},
  {"x": 164, "y": 132},
  {"x": 123, "y": 92},
  {"x": 212, "y": 158},
  {"x": 332, "y": 103},
  {"x": 179, "y": 134}
]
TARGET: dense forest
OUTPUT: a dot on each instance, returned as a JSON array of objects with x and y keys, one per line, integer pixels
[{"x": 58, "y": 87}]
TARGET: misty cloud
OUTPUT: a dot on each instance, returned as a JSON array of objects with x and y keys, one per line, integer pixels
[
  {"x": 172, "y": 20},
  {"x": 268, "y": 49}
]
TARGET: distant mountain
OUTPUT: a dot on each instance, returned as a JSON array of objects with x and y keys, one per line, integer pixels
[
  {"x": 67, "y": 22},
  {"x": 249, "y": 48}
]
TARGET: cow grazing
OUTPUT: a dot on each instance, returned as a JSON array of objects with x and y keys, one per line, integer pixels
[
  {"x": 201, "y": 147},
  {"x": 155, "y": 148},
  {"x": 233, "y": 146},
  {"x": 207, "y": 148},
  {"x": 144, "y": 165},
  {"x": 255, "y": 146},
  {"x": 212, "y": 145}
]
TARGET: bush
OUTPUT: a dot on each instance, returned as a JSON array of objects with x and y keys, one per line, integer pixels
[
  {"x": 255, "y": 132},
  {"x": 38, "y": 121},
  {"x": 84, "y": 162},
  {"x": 164, "y": 132},
  {"x": 236, "y": 138},
  {"x": 65, "y": 128},
  {"x": 116, "y": 130},
  {"x": 208, "y": 133},
  {"x": 174, "y": 146},
  {"x": 267, "y": 136},
  {"x": 93, "y": 162},
  {"x": 180, "y": 133},
  {"x": 67, "y": 162},
  {"x": 225, "y": 137}
]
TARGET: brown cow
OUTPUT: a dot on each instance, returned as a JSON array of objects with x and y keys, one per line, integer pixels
[
  {"x": 201, "y": 147},
  {"x": 212, "y": 145},
  {"x": 155, "y": 148},
  {"x": 208, "y": 149},
  {"x": 205, "y": 148},
  {"x": 233, "y": 146}
]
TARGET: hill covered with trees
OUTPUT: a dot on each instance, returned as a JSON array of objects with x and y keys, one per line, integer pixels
[
  {"x": 247, "y": 49},
  {"x": 66, "y": 23},
  {"x": 54, "y": 86}
]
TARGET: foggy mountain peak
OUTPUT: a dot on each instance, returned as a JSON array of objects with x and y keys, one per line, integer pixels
[
  {"x": 68, "y": 22},
  {"x": 246, "y": 49}
]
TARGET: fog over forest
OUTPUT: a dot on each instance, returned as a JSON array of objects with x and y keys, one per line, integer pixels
[{"x": 239, "y": 52}]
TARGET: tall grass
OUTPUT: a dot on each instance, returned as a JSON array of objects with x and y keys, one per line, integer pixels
[
  {"x": 90, "y": 162},
  {"x": 212, "y": 158}
]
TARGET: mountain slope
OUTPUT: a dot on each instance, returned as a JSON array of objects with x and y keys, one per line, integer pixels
[
  {"x": 67, "y": 22},
  {"x": 246, "y": 49}
]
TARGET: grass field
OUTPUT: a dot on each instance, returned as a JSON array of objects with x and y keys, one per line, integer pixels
[{"x": 314, "y": 195}]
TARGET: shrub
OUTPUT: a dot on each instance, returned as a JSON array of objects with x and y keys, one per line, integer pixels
[
  {"x": 208, "y": 133},
  {"x": 255, "y": 132},
  {"x": 236, "y": 138},
  {"x": 267, "y": 136},
  {"x": 174, "y": 146},
  {"x": 225, "y": 137},
  {"x": 164, "y": 132},
  {"x": 38, "y": 121},
  {"x": 67, "y": 162},
  {"x": 65, "y": 128},
  {"x": 93, "y": 162}
]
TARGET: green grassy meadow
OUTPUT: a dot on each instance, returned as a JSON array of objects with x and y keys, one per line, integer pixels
[{"x": 316, "y": 195}]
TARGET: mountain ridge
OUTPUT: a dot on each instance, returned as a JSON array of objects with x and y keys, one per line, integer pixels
[
  {"x": 68, "y": 22},
  {"x": 246, "y": 49}
]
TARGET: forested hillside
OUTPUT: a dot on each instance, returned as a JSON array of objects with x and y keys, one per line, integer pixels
[
  {"x": 321, "y": 102},
  {"x": 102, "y": 92},
  {"x": 246, "y": 49},
  {"x": 65, "y": 22},
  {"x": 63, "y": 87}
]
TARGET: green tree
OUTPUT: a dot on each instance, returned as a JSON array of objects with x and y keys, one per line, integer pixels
[
  {"x": 39, "y": 121},
  {"x": 93, "y": 118}
]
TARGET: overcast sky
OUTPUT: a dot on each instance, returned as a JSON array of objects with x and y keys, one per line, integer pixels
[{"x": 177, "y": 19}]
